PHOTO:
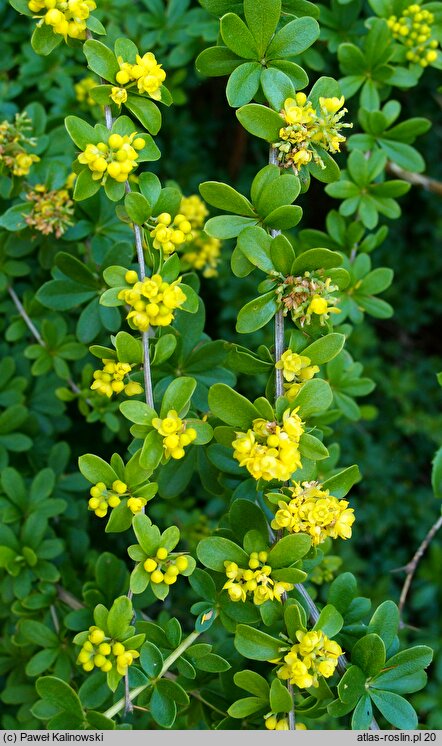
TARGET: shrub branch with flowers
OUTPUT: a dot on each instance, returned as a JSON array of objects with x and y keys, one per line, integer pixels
[{"x": 264, "y": 464}]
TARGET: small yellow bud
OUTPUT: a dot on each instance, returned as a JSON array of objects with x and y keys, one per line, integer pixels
[
  {"x": 162, "y": 553},
  {"x": 182, "y": 563},
  {"x": 115, "y": 141},
  {"x": 150, "y": 565},
  {"x": 157, "y": 576}
]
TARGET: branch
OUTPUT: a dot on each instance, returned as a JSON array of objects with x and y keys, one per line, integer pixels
[
  {"x": 430, "y": 185},
  {"x": 38, "y": 338},
  {"x": 412, "y": 565},
  {"x": 121, "y": 704}
]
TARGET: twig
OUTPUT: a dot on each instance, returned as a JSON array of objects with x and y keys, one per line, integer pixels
[
  {"x": 412, "y": 565},
  {"x": 54, "y": 618},
  {"x": 121, "y": 703},
  {"x": 279, "y": 385},
  {"x": 430, "y": 185},
  {"x": 37, "y": 336}
]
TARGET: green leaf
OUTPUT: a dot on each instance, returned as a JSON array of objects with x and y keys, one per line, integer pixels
[
  {"x": 148, "y": 536},
  {"x": 280, "y": 697},
  {"x": 284, "y": 217},
  {"x": 277, "y": 87},
  {"x": 137, "y": 207},
  {"x": 237, "y": 37},
  {"x": 288, "y": 550},
  {"x": 279, "y": 192},
  {"x": 312, "y": 448},
  {"x": 385, "y": 622},
  {"x": 340, "y": 484},
  {"x": 38, "y": 633},
  {"x": 330, "y": 621},
  {"x": 101, "y": 59},
  {"x": 315, "y": 259},
  {"x": 81, "y": 133},
  {"x": 243, "y": 83},
  {"x": 119, "y": 617},
  {"x": 231, "y": 407},
  {"x": 395, "y": 709},
  {"x": 260, "y": 121},
  {"x": 163, "y": 709},
  {"x": 295, "y": 37},
  {"x": 352, "y": 685},
  {"x": 214, "y": 550},
  {"x": 152, "y": 451},
  {"x": 226, "y": 198},
  {"x": 255, "y": 245},
  {"x": 151, "y": 659},
  {"x": 178, "y": 395},
  {"x": 59, "y": 694},
  {"x": 257, "y": 313},
  {"x": 96, "y": 470},
  {"x": 369, "y": 654},
  {"x": 256, "y": 645},
  {"x": 406, "y": 662},
  {"x": 14, "y": 218},
  {"x": 262, "y": 19},
  {"x": 363, "y": 714},
  {"x": 145, "y": 111},
  {"x": 217, "y": 61},
  {"x": 129, "y": 349},
  {"x": 227, "y": 226},
  {"x": 282, "y": 254},
  {"x": 325, "y": 348},
  {"x": 314, "y": 397},
  {"x": 242, "y": 708},
  {"x": 85, "y": 186},
  {"x": 44, "y": 40},
  {"x": 252, "y": 682}
]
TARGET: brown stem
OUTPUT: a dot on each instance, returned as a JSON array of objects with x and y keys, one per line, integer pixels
[
  {"x": 412, "y": 565},
  {"x": 430, "y": 185}
]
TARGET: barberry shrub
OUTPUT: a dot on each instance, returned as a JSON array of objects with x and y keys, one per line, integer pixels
[{"x": 212, "y": 511}]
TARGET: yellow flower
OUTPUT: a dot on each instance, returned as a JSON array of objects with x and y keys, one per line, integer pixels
[
  {"x": 254, "y": 581},
  {"x": 99, "y": 651},
  {"x": 175, "y": 434},
  {"x": 82, "y": 90},
  {"x": 194, "y": 210},
  {"x": 66, "y": 17},
  {"x": 115, "y": 158},
  {"x": 314, "y": 511},
  {"x": 296, "y": 367},
  {"x": 118, "y": 95},
  {"x": 110, "y": 380},
  {"x": 168, "y": 235},
  {"x": 312, "y": 656},
  {"x": 102, "y": 498},
  {"x": 153, "y": 301},
  {"x": 414, "y": 31}
]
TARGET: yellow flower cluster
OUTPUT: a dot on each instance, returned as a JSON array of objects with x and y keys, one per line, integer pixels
[
  {"x": 116, "y": 158},
  {"x": 164, "y": 569},
  {"x": 306, "y": 126},
  {"x": 413, "y": 30},
  {"x": 176, "y": 436},
  {"x": 12, "y": 141},
  {"x": 194, "y": 210},
  {"x": 52, "y": 211},
  {"x": 118, "y": 95},
  {"x": 67, "y": 17},
  {"x": 314, "y": 655},
  {"x": 146, "y": 72},
  {"x": 271, "y": 451},
  {"x": 110, "y": 380},
  {"x": 103, "y": 498},
  {"x": 255, "y": 581},
  {"x": 83, "y": 89},
  {"x": 297, "y": 370},
  {"x": 308, "y": 296},
  {"x": 313, "y": 511},
  {"x": 204, "y": 254},
  {"x": 153, "y": 301},
  {"x": 168, "y": 235},
  {"x": 100, "y": 651}
]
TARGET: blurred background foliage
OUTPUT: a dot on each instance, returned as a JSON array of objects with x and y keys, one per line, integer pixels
[{"x": 401, "y": 423}]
